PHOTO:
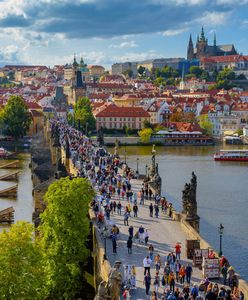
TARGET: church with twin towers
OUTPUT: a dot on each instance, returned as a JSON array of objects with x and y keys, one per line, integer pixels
[{"x": 203, "y": 49}]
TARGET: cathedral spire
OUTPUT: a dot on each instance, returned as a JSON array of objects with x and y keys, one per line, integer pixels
[
  {"x": 190, "y": 50},
  {"x": 202, "y": 35},
  {"x": 75, "y": 64},
  {"x": 214, "y": 39}
]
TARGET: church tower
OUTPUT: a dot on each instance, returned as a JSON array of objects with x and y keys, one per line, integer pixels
[
  {"x": 201, "y": 45},
  {"x": 190, "y": 50}
]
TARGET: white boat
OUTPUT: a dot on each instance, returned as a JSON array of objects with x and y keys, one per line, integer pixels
[{"x": 231, "y": 155}]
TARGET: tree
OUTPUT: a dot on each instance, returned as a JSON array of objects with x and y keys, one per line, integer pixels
[
  {"x": 145, "y": 134},
  {"x": 159, "y": 81},
  {"x": 206, "y": 124},
  {"x": 239, "y": 132},
  {"x": 141, "y": 70},
  {"x": 196, "y": 71},
  {"x": 16, "y": 117},
  {"x": 83, "y": 114},
  {"x": 148, "y": 124},
  {"x": 64, "y": 230},
  {"x": 21, "y": 266},
  {"x": 226, "y": 74}
]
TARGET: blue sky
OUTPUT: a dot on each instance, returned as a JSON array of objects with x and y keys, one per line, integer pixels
[{"x": 107, "y": 31}]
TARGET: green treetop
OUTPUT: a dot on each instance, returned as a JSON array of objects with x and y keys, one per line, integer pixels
[
  {"x": 64, "y": 231},
  {"x": 206, "y": 124},
  {"x": 21, "y": 266},
  {"x": 15, "y": 117},
  {"x": 83, "y": 113}
]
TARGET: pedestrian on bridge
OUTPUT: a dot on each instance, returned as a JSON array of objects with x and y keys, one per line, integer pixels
[
  {"x": 129, "y": 245},
  {"x": 151, "y": 210},
  {"x": 147, "y": 282},
  {"x": 147, "y": 265}
]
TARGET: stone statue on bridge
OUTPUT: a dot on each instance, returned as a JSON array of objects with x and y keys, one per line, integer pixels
[
  {"x": 111, "y": 290},
  {"x": 189, "y": 202},
  {"x": 100, "y": 137},
  {"x": 154, "y": 179}
]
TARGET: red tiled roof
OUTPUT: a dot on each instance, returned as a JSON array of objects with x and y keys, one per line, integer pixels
[
  {"x": 115, "y": 111},
  {"x": 228, "y": 58},
  {"x": 181, "y": 126}
]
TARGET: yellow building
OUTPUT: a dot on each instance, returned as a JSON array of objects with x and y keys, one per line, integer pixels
[
  {"x": 96, "y": 71},
  {"x": 127, "y": 100}
]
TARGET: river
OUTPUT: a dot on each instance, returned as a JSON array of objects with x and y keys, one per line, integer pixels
[
  {"x": 222, "y": 192},
  {"x": 23, "y": 204}
]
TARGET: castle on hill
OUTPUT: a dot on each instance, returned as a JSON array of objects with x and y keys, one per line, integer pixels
[{"x": 203, "y": 49}]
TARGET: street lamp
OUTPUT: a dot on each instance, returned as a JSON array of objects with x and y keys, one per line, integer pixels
[
  {"x": 146, "y": 170},
  {"x": 221, "y": 229},
  {"x": 105, "y": 243},
  {"x": 125, "y": 153},
  {"x": 137, "y": 170}
]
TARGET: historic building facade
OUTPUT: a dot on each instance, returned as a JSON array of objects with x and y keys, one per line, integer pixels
[{"x": 203, "y": 49}]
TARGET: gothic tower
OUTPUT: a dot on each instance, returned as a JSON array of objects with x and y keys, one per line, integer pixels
[
  {"x": 190, "y": 50},
  {"x": 201, "y": 45}
]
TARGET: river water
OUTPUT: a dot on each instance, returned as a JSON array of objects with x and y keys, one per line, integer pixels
[
  {"x": 222, "y": 192},
  {"x": 23, "y": 204}
]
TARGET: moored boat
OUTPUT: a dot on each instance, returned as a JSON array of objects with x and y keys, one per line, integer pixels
[
  {"x": 231, "y": 155},
  {"x": 6, "y": 154}
]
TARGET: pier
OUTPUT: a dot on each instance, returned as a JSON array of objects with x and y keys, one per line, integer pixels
[
  {"x": 7, "y": 216},
  {"x": 14, "y": 164},
  {"x": 9, "y": 192},
  {"x": 10, "y": 176}
]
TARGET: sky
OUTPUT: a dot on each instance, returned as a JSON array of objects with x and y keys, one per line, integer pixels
[{"x": 49, "y": 32}]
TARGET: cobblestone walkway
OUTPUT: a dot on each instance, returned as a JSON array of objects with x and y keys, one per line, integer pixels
[{"x": 163, "y": 235}]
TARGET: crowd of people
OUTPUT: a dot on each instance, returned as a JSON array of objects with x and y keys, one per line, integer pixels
[{"x": 172, "y": 279}]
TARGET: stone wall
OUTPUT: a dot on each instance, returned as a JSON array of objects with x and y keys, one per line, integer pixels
[{"x": 101, "y": 267}]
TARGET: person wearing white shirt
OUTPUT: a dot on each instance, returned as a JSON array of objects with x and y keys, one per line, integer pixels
[{"x": 147, "y": 265}]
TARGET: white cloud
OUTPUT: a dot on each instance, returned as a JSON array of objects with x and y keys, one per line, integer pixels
[
  {"x": 128, "y": 44},
  {"x": 136, "y": 56},
  {"x": 180, "y": 2},
  {"x": 232, "y": 2},
  {"x": 214, "y": 18},
  {"x": 172, "y": 32}
]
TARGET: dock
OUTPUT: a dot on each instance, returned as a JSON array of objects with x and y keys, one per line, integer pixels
[
  {"x": 7, "y": 216},
  {"x": 13, "y": 164},
  {"x": 10, "y": 176},
  {"x": 10, "y": 192}
]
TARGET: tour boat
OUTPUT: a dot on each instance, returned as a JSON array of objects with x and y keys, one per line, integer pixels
[{"x": 231, "y": 155}]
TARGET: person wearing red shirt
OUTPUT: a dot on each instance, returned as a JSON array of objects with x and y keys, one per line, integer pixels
[{"x": 178, "y": 250}]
